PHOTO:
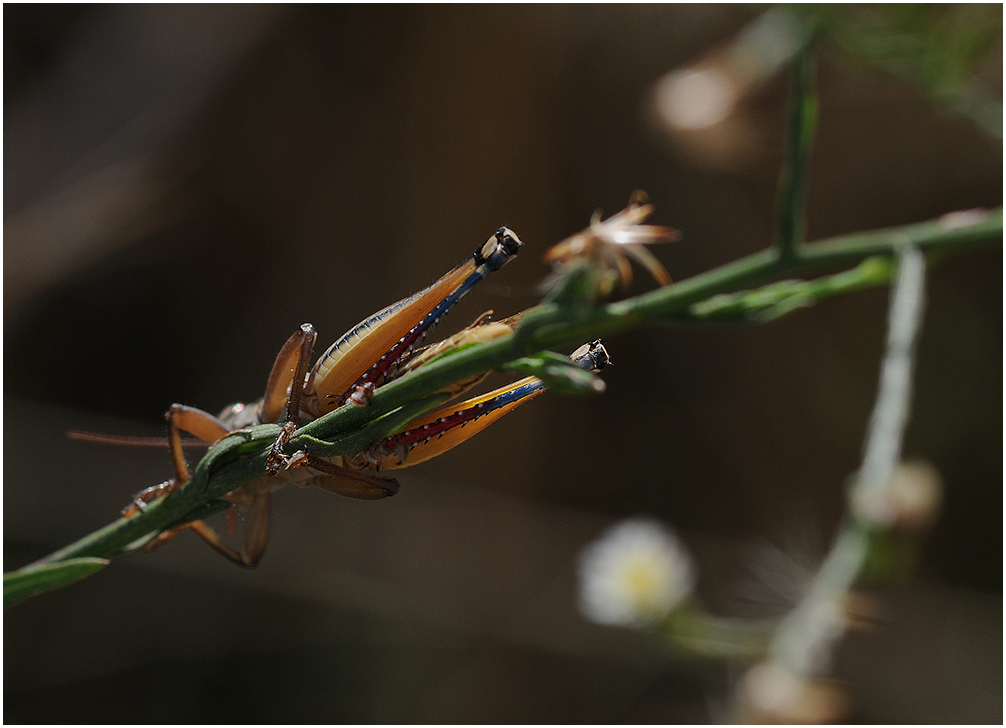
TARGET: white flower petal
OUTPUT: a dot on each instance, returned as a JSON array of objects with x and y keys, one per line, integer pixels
[{"x": 634, "y": 575}]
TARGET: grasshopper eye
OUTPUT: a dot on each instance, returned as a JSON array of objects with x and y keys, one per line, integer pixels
[
  {"x": 593, "y": 356},
  {"x": 508, "y": 240},
  {"x": 499, "y": 249}
]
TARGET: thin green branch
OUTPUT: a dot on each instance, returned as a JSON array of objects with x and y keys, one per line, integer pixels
[
  {"x": 802, "y": 122},
  {"x": 779, "y": 299},
  {"x": 695, "y": 632},
  {"x": 558, "y": 328}
]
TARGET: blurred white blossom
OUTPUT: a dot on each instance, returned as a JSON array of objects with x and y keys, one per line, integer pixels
[{"x": 634, "y": 575}]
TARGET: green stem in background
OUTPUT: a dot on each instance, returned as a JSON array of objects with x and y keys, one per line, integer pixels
[
  {"x": 240, "y": 458},
  {"x": 695, "y": 632},
  {"x": 792, "y": 197},
  {"x": 972, "y": 102},
  {"x": 803, "y": 642}
]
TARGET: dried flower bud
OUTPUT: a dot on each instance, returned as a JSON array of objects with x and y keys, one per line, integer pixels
[
  {"x": 909, "y": 504},
  {"x": 771, "y": 694},
  {"x": 590, "y": 264}
]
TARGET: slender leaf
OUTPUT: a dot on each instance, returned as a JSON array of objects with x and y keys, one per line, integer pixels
[{"x": 18, "y": 585}]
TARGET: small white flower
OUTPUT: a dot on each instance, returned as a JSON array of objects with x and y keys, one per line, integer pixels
[{"x": 634, "y": 575}]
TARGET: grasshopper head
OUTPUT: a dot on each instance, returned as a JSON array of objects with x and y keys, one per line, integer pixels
[{"x": 498, "y": 249}]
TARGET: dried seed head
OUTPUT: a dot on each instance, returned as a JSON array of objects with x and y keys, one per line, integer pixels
[
  {"x": 606, "y": 247},
  {"x": 769, "y": 693},
  {"x": 909, "y": 504}
]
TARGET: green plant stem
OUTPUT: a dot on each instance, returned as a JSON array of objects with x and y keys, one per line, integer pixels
[
  {"x": 240, "y": 458},
  {"x": 556, "y": 328},
  {"x": 693, "y": 631},
  {"x": 784, "y": 297},
  {"x": 21, "y": 585},
  {"x": 805, "y": 637},
  {"x": 802, "y": 122},
  {"x": 128, "y": 534}
]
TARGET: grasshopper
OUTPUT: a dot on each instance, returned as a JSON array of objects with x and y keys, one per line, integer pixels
[{"x": 374, "y": 351}]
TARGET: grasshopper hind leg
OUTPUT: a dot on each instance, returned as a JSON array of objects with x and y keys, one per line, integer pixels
[
  {"x": 259, "y": 498},
  {"x": 211, "y": 429},
  {"x": 348, "y": 482}
]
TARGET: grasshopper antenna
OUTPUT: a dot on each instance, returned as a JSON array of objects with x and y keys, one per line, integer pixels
[{"x": 102, "y": 438}]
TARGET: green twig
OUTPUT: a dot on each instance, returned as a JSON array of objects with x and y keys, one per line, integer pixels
[
  {"x": 802, "y": 122},
  {"x": 775, "y": 300},
  {"x": 695, "y": 632}
]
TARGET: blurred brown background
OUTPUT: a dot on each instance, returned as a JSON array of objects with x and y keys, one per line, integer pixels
[{"x": 184, "y": 185}]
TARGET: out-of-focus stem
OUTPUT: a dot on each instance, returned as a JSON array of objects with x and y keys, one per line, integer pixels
[{"x": 802, "y": 645}]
